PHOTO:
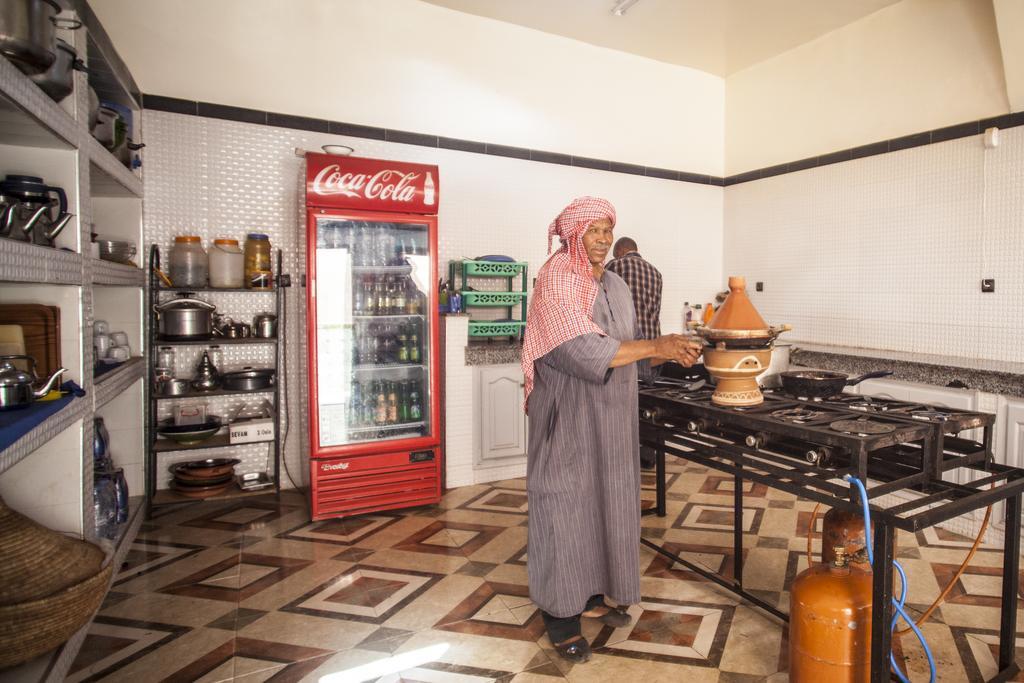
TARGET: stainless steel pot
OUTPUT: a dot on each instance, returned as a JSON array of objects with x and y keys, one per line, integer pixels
[
  {"x": 16, "y": 385},
  {"x": 185, "y": 318},
  {"x": 27, "y": 35},
  {"x": 58, "y": 80},
  {"x": 264, "y": 325},
  {"x": 248, "y": 379},
  {"x": 174, "y": 387}
]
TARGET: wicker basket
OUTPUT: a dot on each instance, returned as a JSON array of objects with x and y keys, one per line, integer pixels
[{"x": 50, "y": 586}]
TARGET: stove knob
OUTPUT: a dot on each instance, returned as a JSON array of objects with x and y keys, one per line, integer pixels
[
  {"x": 695, "y": 426},
  {"x": 759, "y": 440},
  {"x": 822, "y": 457},
  {"x": 650, "y": 414}
]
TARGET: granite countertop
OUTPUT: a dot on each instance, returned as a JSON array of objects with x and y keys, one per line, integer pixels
[
  {"x": 936, "y": 374},
  {"x": 493, "y": 353}
]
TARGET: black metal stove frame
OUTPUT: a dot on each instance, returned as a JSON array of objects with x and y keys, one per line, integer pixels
[{"x": 913, "y": 456}]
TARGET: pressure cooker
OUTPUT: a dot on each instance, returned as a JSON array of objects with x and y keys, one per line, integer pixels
[
  {"x": 185, "y": 318},
  {"x": 28, "y": 35}
]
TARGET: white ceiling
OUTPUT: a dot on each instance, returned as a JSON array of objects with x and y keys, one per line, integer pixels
[{"x": 716, "y": 36}]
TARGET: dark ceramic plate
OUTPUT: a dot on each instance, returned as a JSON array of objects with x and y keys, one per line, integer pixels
[
  {"x": 168, "y": 427},
  {"x": 208, "y": 462},
  {"x": 182, "y": 480}
]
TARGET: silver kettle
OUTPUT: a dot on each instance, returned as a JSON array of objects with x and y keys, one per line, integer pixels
[
  {"x": 27, "y": 204},
  {"x": 16, "y": 385}
]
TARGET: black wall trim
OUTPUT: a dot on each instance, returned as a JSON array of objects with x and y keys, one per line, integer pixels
[
  {"x": 219, "y": 111},
  {"x": 928, "y": 137}
]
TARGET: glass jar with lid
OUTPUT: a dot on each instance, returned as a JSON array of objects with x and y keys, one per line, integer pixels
[
  {"x": 189, "y": 263},
  {"x": 257, "y": 261},
  {"x": 227, "y": 264}
]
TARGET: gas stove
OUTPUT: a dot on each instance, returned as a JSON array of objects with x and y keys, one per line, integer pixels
[
  {"x": 885, "y": 439},
  {"x": 926, "y": 454},
  {"x": 953, "y": 420}
]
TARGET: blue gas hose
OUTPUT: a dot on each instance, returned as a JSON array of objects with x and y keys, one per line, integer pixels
[{"x": 897, "y": 604}]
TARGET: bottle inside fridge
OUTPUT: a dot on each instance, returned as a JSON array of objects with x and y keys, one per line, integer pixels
[{"x": 372, "y": 327}]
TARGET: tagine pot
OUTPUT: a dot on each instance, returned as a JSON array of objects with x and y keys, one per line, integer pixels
[{"x": 738, "y": 348}]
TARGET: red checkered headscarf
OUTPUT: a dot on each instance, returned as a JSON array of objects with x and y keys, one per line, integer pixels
[{"x": 563, "y": 299}]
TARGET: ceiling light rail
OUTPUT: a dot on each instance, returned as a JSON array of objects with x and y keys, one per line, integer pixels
[{"x": 622, "y": 6}]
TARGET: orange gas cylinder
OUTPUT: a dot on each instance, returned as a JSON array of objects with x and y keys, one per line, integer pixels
[
  {"x": 830, "y": 623},
  {"x": 842, "y": 529}
]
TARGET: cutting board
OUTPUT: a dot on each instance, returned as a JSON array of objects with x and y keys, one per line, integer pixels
[{"x": 40, "y": 328}]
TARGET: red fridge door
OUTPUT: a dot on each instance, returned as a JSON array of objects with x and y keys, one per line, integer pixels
[{"x": 373, "y": 333}]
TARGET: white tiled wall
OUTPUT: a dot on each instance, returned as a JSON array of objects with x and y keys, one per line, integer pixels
[
  {"x": 888, "y": 252},
  {"x": 220, "y": 178}
]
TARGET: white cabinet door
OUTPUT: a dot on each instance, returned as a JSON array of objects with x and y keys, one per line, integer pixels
[
  {"x": 502, "y": 421},
  {"x": 1012, "y": 452}
]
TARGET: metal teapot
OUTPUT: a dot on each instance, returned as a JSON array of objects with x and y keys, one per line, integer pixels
[
  {"x": 16, "y": 385},
  {"x": 27, "y": 210}
]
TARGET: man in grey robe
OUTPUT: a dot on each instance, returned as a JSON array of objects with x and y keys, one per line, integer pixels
[{"x": 583, "y": 478}]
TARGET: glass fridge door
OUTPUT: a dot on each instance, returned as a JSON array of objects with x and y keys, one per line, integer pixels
[{"x": 373, "y": 365}]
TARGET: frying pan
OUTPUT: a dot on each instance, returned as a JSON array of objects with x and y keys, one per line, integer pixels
[{"x": 820, "y": 384}]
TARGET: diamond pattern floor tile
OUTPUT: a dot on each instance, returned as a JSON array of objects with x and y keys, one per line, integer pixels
[{"x": 254, "y": 591}]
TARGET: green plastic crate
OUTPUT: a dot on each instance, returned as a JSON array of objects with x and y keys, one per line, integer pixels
[
  {"x": 486, "y": 328},
  {"x": 492, "y": 268},
  {"x": 493, "y": 298}
]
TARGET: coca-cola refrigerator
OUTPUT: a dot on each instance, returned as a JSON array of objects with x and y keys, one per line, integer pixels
[{"x": 371, "y": 261}]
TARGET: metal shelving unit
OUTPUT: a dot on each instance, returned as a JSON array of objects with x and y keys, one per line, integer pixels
[{"x": 155, "y": 445}]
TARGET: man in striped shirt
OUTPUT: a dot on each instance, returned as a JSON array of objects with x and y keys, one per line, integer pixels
[{"x": 644, "y": 282}]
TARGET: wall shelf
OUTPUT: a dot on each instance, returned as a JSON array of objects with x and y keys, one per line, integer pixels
[
  {"x": 111, "y": 384},
  {"x": 52, "y": 140},
  {"x": 110, "y": 273},
  {"x": 109, "y": 177},
  {"x": 46, "y": 430},
  {"x": 28, "y": 117},
  {"x": 24, "y": 262}
]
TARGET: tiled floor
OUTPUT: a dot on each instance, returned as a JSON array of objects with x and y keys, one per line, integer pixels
[{"x": 252, "y": 591}]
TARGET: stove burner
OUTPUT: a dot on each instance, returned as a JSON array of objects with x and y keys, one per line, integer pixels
[
  {"x": 931, "y": 415},
  {"x": 867, "y": 405},
  {"x": 863, "y": 426},
  {"x": 680, "y": 395},
  {"x": 796, "y": 415}
]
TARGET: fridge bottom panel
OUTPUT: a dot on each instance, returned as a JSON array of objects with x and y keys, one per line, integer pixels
[{"x": 357, "y": 485}]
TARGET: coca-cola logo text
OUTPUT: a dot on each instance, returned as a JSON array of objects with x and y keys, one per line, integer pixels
[
  {"x": 339, "y": 466},
  {"x": 387, "y": 184}
]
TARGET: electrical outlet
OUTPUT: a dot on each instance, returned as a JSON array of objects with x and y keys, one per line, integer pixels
[
  {"x": 988, "y": 285},
  {"x": 759, "y": 287}
]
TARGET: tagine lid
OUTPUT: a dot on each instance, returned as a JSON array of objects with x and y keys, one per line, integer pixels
[
  {"x": 737, "y": 318},
  {"x": 738, "y": 312}
]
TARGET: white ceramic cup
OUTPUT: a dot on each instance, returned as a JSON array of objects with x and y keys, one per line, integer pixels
[
  {"x": 119, "y": 338},
  {"x": 102, "y": 343},
  {"x": 120, "y": 353},
  {"x": 100, "y": 327}
]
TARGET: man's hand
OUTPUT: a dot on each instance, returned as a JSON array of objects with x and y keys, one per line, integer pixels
[{"x": 684, "y": 350}]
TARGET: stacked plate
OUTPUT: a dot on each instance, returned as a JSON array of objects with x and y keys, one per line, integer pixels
[
  {"x": 203, "y": 478},
  {"x": 188, "y": 435}
]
